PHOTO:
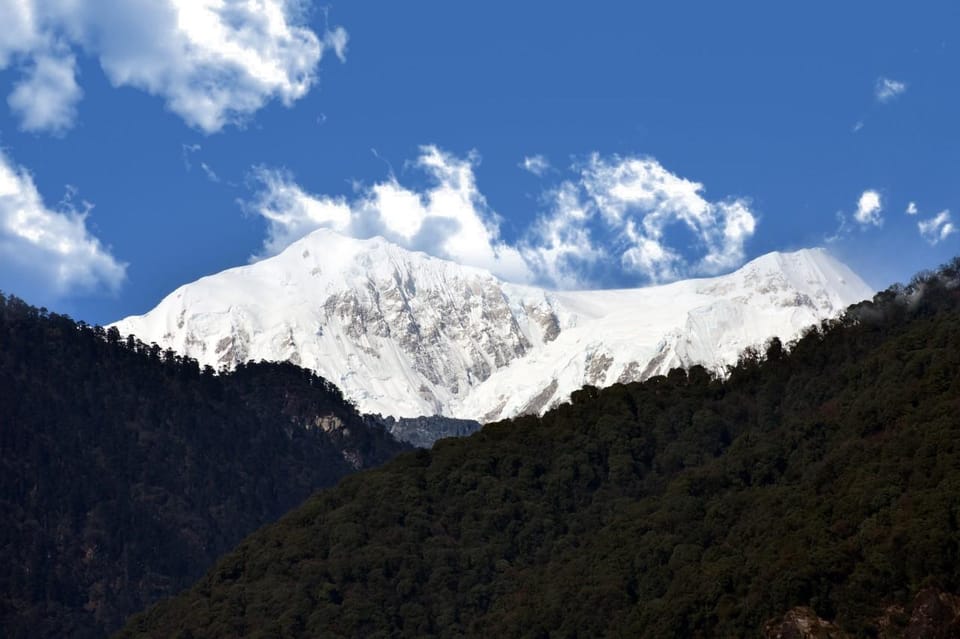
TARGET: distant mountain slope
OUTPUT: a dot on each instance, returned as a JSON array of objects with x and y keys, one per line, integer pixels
[
  {"x": 826, "y": 477},
  {"x": 125, "y": 471},
  {"x": 405, "y": 334}
]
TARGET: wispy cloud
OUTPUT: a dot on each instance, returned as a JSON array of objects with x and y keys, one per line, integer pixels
[
  {"x": 189, "y": 150},
  {"x": 937, "y": 228},
  {"x": 213, "y": 63},
  {"x": 46, "y": 98},
  {"x": 912, "y": 209},
  {"x": 210, "y": 173},
  {"x": 536, "y": 164},
  {"x": 613, "y": 215},
  {"x": 561, "y": 247},
  {"x": 51, "y": 252},
  {"x": 869, "y": 209},
  {"x": 337, "y": 40},
  {"x": 886, "y": 89}
]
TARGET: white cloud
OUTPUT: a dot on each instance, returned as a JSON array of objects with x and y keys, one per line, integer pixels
[
  {"x": 292, "y": 213},
  {"x": 214, "y": 62},
  {"x": 45, "y": 100},
  {"x": 337, "y": 40},
  {"x": 450, "y": 218},
  {"x": 912, "y": 208},
  {"x": 869, "y": 208},
  {"x": 536, "y": 164},
  {"x": 559, "y": 247},
  {"x": 936, "y": 229},
  {"x": 610, "y": 223},
  {"x": 886, "y": 89},
  {"x": 641, "y": 199},
  {"x": 50, "y": 250}
]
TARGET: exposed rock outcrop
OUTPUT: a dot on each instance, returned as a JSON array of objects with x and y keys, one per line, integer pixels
[{"x": 933, "y": 614}]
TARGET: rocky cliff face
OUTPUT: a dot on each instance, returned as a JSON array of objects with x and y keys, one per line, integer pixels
[
  {"x": 422, "y": 432},
  {"x": 405, "y": 334},
  {"x": 933, "y": 614},
  {"x": 801, "y": 623}
]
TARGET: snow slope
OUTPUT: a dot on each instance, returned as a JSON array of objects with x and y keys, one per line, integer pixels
[{"x": 405, "y": 334}]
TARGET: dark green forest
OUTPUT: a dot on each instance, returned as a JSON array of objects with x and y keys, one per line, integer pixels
[
  {"x": 826, "y": 474},
  {"x": 125, "y": 471}
]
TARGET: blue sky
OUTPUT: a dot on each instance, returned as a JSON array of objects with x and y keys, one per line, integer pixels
[{"x": 660, "y": 141}]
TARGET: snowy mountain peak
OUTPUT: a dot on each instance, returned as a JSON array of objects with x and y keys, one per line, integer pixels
[
  {"x": 814, "y": 272},
  {"x": 360, "y": 257},
  {"x": 406, "y": 334}
]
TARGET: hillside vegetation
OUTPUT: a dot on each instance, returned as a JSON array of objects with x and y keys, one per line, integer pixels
[
  {"x": 126, "y": 471},
  {"x": 680, "y": 507}
]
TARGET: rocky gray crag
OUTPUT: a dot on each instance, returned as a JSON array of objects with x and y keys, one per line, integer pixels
[{"x": 422, "y": 432}]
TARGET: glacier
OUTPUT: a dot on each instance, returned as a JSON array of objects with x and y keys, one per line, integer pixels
[{"x": 404, "y": 334}]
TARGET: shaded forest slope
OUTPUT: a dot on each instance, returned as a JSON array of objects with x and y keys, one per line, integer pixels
[{"x": 126, "y": 471}]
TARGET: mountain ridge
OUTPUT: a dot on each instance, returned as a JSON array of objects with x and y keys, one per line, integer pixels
[
  {"x": 811, "y": 490},
  {"x": 407, "y": 334}
]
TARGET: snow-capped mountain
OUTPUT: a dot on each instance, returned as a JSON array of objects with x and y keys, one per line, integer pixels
[{"x": 406, "y": 334}]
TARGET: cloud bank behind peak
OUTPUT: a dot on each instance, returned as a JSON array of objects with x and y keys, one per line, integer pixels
[{"x": 613, "y": 219}]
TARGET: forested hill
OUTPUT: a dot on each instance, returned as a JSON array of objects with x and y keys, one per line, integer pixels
[
  {"x": 681, "y": 507},
  {"x": 126, "y": 471}
]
